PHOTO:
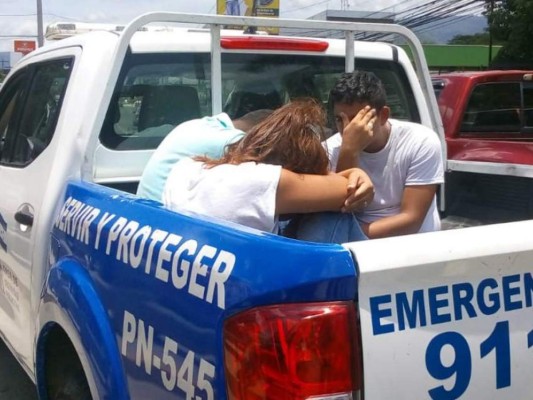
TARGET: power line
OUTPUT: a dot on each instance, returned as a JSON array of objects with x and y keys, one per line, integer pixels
[
  {"x": 33, "y": 15},
  {"x": 18, "y": 15},
  {"x": 443, "y": 23},
  {"x": 438, "y": 12},
  {"x": 432, "y": 12},
  {"x": 5, "y": 37},
  {"x": 63, "y": 17},
  {"x": 308, "y": 6}
]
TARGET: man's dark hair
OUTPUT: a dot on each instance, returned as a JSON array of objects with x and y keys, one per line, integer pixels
[
  {"x": 254, "y": 117},
  {"x": 359, "y": 87}
]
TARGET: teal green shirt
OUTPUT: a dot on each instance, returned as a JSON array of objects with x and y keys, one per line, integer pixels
[{"x": 207, "y": 136}]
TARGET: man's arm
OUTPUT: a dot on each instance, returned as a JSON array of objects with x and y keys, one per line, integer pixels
[
  {"x": 360, "y": 190},
  {"x": 415, "y": 204}
]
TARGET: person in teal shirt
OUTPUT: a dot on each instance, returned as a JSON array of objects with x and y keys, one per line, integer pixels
[{"x": 206, "y": 136}]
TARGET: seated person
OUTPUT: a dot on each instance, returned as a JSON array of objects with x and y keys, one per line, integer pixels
[
  {"x": 205, "y": 136},
  {"x": 403, "y": 159},
  {"x": 279, "y": 167}
]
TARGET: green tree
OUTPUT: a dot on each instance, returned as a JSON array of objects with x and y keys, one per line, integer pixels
[
  {"x": 511, "y": 22},
  {"x": 478, "y": 38}
]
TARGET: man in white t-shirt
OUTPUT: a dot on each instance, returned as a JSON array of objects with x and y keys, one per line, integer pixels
[
  {"x": 206, "y": 136},
  {"x": 403, "y": 159}
]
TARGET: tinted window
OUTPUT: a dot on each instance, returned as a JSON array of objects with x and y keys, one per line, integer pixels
[
  {"x": 156, "y": 92},
  {"x": 38, "y": 114},
  {"x": 493, "y": 107},
  {"x": 528, "y": 106},
  {"x": 10, "y": 105}
]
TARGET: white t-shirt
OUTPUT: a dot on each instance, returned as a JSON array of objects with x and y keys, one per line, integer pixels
[
  {"x": 412, "y": 156},
  {"x": 243, "y": 193},
  {"x": 206, "y": 136}
]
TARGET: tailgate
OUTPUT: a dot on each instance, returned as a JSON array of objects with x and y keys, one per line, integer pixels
[{"x": 448, "y": 315}]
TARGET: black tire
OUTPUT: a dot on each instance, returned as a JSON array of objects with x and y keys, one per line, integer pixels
[{"x": 65, "y": 378}]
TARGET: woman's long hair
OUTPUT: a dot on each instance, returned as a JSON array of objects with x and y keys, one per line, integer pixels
[{"x": 291, "y": 137}]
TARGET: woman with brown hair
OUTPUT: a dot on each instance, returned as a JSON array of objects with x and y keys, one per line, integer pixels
[{"x": 279, "y": 167}]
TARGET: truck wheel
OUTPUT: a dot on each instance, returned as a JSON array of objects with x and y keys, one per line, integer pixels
[
  {"x": 71, "y": 387},
  {"x": 65, "y": 378}
]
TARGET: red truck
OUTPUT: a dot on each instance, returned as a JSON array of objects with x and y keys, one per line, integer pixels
[{"x": 488, "y": 123}]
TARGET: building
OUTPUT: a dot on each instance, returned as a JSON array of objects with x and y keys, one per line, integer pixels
[
  {"x": 8, "y": 59},
  {"x": 354, "y": 16},
  {"x": 443, "y": 58},
  {"x": 342, "y": 16}
]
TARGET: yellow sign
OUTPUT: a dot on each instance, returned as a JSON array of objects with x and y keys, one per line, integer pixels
[{"x": 258, "y": 8}]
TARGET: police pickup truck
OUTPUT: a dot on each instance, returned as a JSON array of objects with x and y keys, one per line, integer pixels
[{"x": 104, "y": 295}]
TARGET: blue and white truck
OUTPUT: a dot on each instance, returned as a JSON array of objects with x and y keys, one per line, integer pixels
[{"x": 104, "y": 295}]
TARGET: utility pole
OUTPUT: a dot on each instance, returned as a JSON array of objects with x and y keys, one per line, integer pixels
[
  {"x": 40, "y": 36},
  {"x": 491, "y": 9},
  {"x": 252, "y": 29}
]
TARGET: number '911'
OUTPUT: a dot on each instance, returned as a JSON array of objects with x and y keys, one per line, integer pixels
[{"x": 461, "y": 366}]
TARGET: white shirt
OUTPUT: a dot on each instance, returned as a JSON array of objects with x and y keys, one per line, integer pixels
[
  {"x": 206, "y": 136},
  {"x": 412, "y": 156},
  {"x": 243, "y": 193}
]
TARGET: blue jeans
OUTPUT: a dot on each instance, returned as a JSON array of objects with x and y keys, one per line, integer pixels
[
  {"x": 233, "y": 7},
  {"x": 325, "y": 227}
]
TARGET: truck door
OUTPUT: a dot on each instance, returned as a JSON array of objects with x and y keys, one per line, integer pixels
[{"x": 29, "y": 109}]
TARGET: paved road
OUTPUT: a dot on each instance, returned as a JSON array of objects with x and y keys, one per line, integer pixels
[{"x": 14, "y": 383}]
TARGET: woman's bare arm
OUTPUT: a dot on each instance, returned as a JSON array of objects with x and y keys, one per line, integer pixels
[{"x": 301, "y": 193}]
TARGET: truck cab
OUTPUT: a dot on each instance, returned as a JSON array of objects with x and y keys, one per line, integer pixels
[
  {"x": 487, "y": 115},
  {"x": 487, "y": 118}
]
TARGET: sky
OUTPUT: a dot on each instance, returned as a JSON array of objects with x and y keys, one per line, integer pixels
[{"x": 18, "y": 17}]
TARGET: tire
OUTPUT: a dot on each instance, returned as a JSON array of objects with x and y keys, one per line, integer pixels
[
  {"x": 65, "y": 378},
  {"x": 71, "y": 387}
]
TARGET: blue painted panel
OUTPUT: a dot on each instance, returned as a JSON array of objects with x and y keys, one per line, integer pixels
[
  {"x": 168, "y": 281},
  {"x": 70, "y": 287}
]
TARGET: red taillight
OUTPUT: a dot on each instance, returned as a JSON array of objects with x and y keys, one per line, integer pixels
[
  {"x": 272, "y": 43},
  {"x": 293, "y": 351}
]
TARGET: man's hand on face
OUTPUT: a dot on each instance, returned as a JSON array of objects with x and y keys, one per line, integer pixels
[{"x": 358, "y": 132}]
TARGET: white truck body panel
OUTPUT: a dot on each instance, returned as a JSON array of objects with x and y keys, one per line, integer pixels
[
  {"x": 437, "y": 272},
  {"x": 26, "y": 253}
]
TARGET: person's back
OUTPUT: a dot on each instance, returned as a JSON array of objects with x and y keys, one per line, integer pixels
[
  {"x": 244, "y": 193},
  {"x": 207, "y": 136}
]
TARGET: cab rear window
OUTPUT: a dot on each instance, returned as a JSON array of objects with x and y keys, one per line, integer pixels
[
  {"x": 499, "y": 109},
  {"x": 156, "y": 92}
]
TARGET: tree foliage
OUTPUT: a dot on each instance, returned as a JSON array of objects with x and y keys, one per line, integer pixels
[
  {"x": 511, "y": 22},
  {"x": 478, "y": 38}
]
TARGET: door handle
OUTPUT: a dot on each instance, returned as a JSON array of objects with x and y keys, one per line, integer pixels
[{"x": 24, "y": 218}]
